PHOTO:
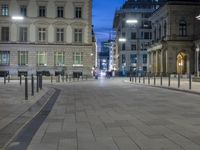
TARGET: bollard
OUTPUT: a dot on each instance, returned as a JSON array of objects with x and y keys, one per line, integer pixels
[
  {"x": 130, "y": 77},
  {"x": 179, "y": 80},
  {"x": 161, "y": 79},
  {"x": 139, "y": 78},
  {"x": 190, "y": 81},
  {"x": 144, "y": 79},
  {"x": 148, "y": 79},
  {"x": 59, "y": 78},
  {"x": 169, "y": 80},
  {"x": 4, "y": 79},
  {"x": 20, "y": 79},
  {"x": 41, "y": 82},
  {"x": 51, "y": 78},
  {"x": 154, "y": 78},
  {"x": 63, "y": 78},
  {"x": 26, "y": 88},
  {"x": 37, "y": 83},
  {"x": 135, "y": 79},
  {"x": 66, "y": 77},
  {"x": 9, "y": 79},
  {"x": 32, "y": 84}
]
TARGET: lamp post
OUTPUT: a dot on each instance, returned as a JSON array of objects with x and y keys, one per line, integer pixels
[{"x": 197, "y": 50}]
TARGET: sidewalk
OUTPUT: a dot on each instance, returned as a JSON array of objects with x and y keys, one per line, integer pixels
[
  {"x": 184, "y": 83},
  {"x": 13, "y": 104}
]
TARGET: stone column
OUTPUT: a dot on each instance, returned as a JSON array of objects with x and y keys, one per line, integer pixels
[
  {"x": 148, "y": 61},
  {"x": 157, "y": 62},
  {"x": 166, "y": 61},
  {"x": 161, "y": 62},
  {"x": 152, "y": 62}
]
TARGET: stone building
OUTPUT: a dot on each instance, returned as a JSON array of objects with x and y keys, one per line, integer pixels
[
  {"x": 175, "y": 30},
  {"x": 133, "y": 27},
  {"x": 49, "y": 36}
]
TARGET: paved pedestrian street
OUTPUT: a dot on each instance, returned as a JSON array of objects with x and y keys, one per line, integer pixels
[{"x": 115, "y": 115}]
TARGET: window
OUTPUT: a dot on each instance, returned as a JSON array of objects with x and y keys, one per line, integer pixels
[
  {"x": 42, "y": 11},
  {"x": 5, "y": 34},
  {"x": 142, "y": 35},
  {"x": 123, "y": 34},
  {"x": 159, "y": 32},
  {"x": 41, "y": 34},
  {"x": 144, "y": 59},
  {"x": 165, "y": 29},
  {"x": 123, "y": 46},
  {"x": 60, "y": 12},
  {"x": 78, "y": 35},
  {"x": 42, "y": 59},
  {"x": 133, "y": 47},
  {"x": 60, "y": 35},
  {"x": 78, "y": 58},
  {"x": 146, "y": 35},
  {"x": 133, "y": 58},
  {"x": 183, "y": 28},
  {"x": 23, "y": 10},
  {"x": 123, "y": 58},
  {"x": 59, "y": 58},
  {"x": 4, "y": 10},
  {"x": 133, "y": 35},
  {"x": 23, "y": 34},
  {"x": 78, "y": 12},
  {"x": 4, "y": 58},
  {"x": 22, "y": 58}
]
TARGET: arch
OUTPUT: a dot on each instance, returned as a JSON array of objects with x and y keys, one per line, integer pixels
[{"x": 181, "y": 62}]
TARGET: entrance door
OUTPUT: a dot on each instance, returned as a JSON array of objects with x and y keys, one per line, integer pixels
[{"x": 181, "y": 63}]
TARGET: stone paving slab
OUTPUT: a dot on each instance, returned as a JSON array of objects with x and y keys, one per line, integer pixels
[{"x": 113, "y": 115}]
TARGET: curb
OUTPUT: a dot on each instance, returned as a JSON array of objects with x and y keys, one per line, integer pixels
[{"x": 165, "y": 87}]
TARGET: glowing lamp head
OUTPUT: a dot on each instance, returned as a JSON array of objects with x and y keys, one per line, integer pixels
[{"x": 17, "y": 18}]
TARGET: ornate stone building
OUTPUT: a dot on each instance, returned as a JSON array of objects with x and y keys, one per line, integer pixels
[
  {"x": 49, "y": 36},
  {"x": 175, "y": 30}
]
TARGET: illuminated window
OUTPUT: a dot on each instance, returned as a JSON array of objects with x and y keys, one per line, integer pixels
[
  {"x": 4, "y": 58},
  {"x": 22, "y": 58},
  {"x": 78, "y": 58},
  {"x": 41, "y": 58},
  {"x": 59, "y": 58},
  {"x": 4, "y": 10}
]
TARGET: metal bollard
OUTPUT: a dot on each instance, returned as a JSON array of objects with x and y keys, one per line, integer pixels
[
  {"x": 37, "y": 84},
  {"x": 63, "y": 78},
  {"x": 135, "y": 79},
  {"x": 144, "y": 79},
  {"x": 179, "y": 80},
  {"x": 26, "y": 88},
  {"x": 32, "y": 85},
  {"x": 51, "y": 78},
  {"x": 41, "y": 82},
  {"x": 154, "y": 79},
  {"x": 169, "y": 80},
  {"x": 20, "y": 79},
  {"x": 139, "y": 78},
  {"x": 161, "y": 79},
  {"x": 9, "y": 79},
  {"x": 148, "y": 79},
  {"x": 4, "y": 79},
  {"x": 190, "y": 81},
  {"x": 66, "y": 77}
]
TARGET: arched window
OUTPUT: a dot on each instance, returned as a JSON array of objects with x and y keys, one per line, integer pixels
[{"x": 182, "y": 28}]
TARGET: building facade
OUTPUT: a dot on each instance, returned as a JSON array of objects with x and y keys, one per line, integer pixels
[
  {"x": 136, "y": 36},
  {"x": 54, "y": 36},
  {"x": 175, "y": 30}
]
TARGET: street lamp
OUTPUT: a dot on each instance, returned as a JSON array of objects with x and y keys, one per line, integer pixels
[
  {"x": 197, "y": 50},
  {"x": 122, "y": 39},
  {"x": 131, "y": 21},
  {"x": 17, "y": 18},
  {"x": 198, "y": 17}
]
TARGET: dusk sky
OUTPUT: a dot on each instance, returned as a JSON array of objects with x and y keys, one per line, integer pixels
[{"x": 103, "y": 14}]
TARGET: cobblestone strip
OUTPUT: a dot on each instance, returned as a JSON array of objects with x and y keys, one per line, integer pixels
[{"x": 9, "y": 131}]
